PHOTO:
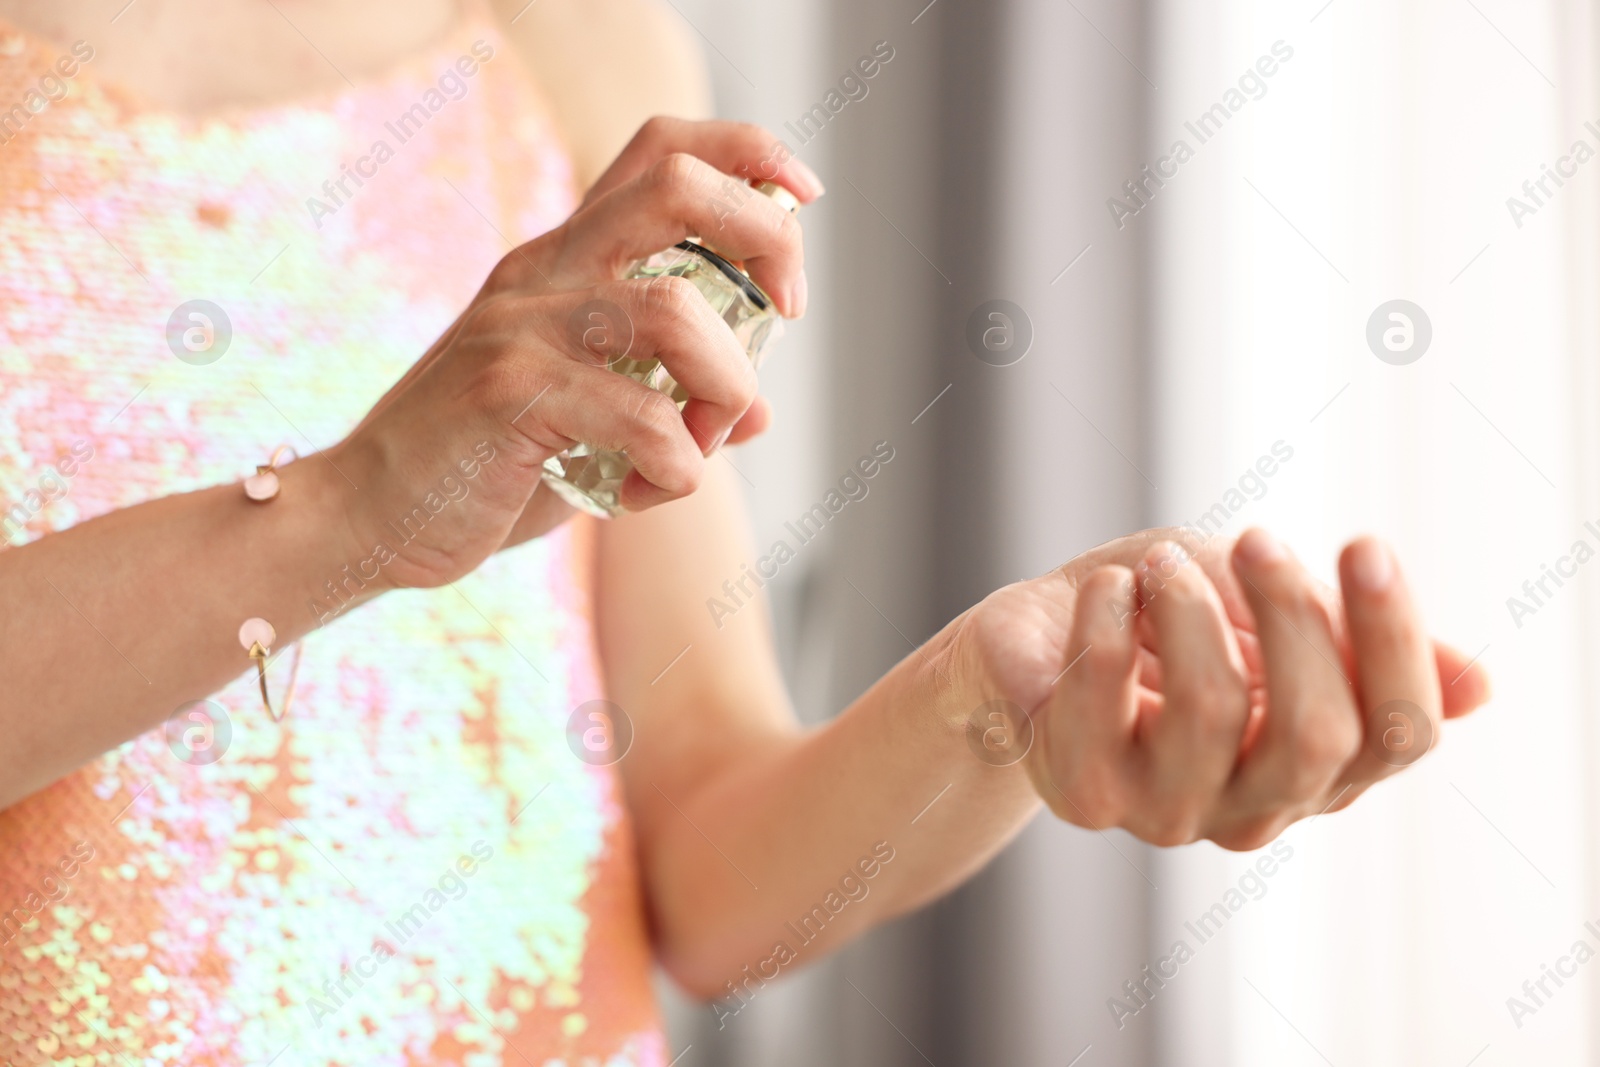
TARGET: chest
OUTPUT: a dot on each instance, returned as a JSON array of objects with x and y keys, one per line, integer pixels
[
  {"x": 164, "y": 53},
  {"x": 191, "y": 294}
]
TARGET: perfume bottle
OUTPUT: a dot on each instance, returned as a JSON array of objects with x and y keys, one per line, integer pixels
[{"x": 591, "y": 479}]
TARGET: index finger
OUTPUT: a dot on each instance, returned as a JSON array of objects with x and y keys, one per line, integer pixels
[
  {"x": 738, "y": 148},
  {"x": 681, "y": 196},
  {"x": 1395, "y": 670}
]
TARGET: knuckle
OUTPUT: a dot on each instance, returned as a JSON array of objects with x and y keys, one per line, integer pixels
[
  {"x": 1315, "y": 754},
  {"x": 1084, "y": 798},
  {"x": 1107, "y": 594},
  {"x": 757, "y": 135},
  {"x": 1189, "y": 542},
  {"x": 1294, "y": 598},
  {"x": 1251, "y": 835},
  {"x": 789, "y": 233},
  {"x": 656, "y": 421},
  {"x": 499, "y": 315},
  {"x": 499, "y": 387},
  {"x": 1164, "y": 572},
  {"x": 502, "y": 276},
  {"x": 1328, "y": 745},
  {"x": 672, "y": 298},
  {"x": 490, "y": 387},
  {"x": 1107, "y": 657},
  {"x": 683, "y": 474},
  {"x": 744, "y": 386},
  {"x": 1185, "y": 590},
  {"x": 673, "y": 173},
  {"x": 1217, "y": 703},
  {"x": 1168, "y": 830},
  {"x": 657, "y": 128},
  {"x": 1109, "y": 580},
  {"x": 515, "y": 270},
  {"x": 674, "y": 463},
  {"x": 1283, "y": 582}
]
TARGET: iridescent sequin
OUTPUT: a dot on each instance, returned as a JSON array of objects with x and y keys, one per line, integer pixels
[{"x": 306, "y": 896}]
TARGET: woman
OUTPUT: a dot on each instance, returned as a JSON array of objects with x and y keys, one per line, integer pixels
[{"x": 447, "y": 851}]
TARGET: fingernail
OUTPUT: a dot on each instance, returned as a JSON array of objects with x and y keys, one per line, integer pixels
[
  {"x": 808, "y": 178},
  {"x": 1259, "y": 547},
  {"x": 1164, "y": 558},
  {"x": 722, "y": 439},
  {"x": 1371, "y": 567},
  {"x": 797, "y": 296}
]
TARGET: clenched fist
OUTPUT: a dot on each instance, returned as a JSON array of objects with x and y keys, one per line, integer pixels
[{"x": 1186, "y": 691}]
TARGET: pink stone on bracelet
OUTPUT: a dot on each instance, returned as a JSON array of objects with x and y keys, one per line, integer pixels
[
  {"x": 263, "y": 484},
  {"x": 257, "y": 636}
]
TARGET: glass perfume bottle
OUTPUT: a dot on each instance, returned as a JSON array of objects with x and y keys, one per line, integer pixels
[{"x": 591, "y": 479}]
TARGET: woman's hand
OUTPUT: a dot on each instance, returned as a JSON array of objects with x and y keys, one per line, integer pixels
[
  {"x": 521, "y": 375},
  {"x": 1183, "y": 691}
]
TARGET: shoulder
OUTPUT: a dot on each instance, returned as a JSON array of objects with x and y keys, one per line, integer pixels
[{"x": 606, "y": 66}]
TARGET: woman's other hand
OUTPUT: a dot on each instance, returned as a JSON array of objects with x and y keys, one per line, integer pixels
[{"x": 1186, "y": 691}]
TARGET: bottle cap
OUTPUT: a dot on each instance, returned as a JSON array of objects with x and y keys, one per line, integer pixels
[{"x": 779, "y": 195}]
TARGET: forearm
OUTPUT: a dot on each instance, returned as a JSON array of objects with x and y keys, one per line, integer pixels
[
  {"x": 111, "y": 625},
  {"x": 779, "y": 848}
]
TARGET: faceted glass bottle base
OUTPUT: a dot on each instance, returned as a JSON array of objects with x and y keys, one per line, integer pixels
[
  {"x": 591, "y": 479},
  {"x": 592, "y": 482}
]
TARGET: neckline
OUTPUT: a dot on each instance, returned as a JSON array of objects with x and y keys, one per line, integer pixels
[{"x": 470, "y": 17}]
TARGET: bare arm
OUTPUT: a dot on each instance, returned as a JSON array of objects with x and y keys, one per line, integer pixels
[
  {"x": 720, "y": 717},
  {"x": 746, "y": 822},
  {"x": 165, "y": 586},
  {"x": 147, "y": 602},
  {"x": 108, "y": 627},
  {"x": 1178, "y": 695},
  {"x": 111, "y": 626}
]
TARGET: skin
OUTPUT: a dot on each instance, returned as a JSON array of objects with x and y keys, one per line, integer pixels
[{"x": 1176, "y": 689}]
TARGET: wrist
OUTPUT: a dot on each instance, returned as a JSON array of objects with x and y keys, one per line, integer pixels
[
  {"x": 948, "y": 675},
  {"x": 1000, "y": 661},
  {"x": 317, "y": 508},
  {"x": 958, "y": 695}
]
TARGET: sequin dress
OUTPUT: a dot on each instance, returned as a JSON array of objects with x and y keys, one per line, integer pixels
[{"x": 412, "y": 868}]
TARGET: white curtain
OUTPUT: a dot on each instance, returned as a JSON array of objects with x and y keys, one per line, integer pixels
[
  {"x": 1372, "y": 164},
  {"x": 1377, "y": 166}
]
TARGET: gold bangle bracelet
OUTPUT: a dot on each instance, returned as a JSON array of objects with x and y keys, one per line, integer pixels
[{"x": 257, "y": 637}]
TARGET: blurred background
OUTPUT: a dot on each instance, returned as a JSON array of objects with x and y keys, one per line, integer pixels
[{"x": 1168, "y": 332}]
